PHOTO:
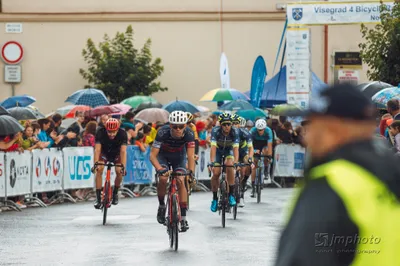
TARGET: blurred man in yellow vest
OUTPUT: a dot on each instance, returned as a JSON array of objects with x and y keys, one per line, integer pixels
[{"x": 348, "y": 211}]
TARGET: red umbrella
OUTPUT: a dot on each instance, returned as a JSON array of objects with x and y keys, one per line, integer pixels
[
  {"x": 102, "y": 110},
  {"x": 80, "y": 108}
]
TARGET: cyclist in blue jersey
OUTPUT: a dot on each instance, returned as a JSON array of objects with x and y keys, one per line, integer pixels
[
  {"x": 262, "y": 143},
  {"x": 246, "y": 152},
  {"x": 224, "y": 141}
]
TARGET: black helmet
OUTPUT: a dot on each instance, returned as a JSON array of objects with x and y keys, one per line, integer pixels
[
  {"x": 224, "y": 117},
  {"x": 235, "y": 118}
]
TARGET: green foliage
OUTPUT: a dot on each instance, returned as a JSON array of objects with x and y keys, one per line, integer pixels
[
  {"x": 381, "y": 48},
  {"x": 120, "y": 70}
]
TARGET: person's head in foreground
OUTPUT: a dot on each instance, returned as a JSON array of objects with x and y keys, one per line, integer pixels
[{"x": 177, "y": 123}]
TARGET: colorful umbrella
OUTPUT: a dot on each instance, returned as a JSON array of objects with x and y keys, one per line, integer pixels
[
  {"x": 219, "y": 95},
  {"x": 252, "y": 114},
  {"x": 90, "y": 97},
  {"x": 9, "y": 125},
  {"x": 285, "y": 109},
  {"x": 146, "y": 105},
  {"x": 102, "y": 110},
  {"x": 383, "y": 96},
  {"x": 15, "y": 101},
  {"x": 181, "y": 106},
  {"x": 77, "y": 108},
  {"x": 135, "y": 101},
  {"x": 123, "y": 107},
  {"x": 237, "y": 105},
  {"x": 203, "y": 109},
  {"x": 153, "y": 115}
]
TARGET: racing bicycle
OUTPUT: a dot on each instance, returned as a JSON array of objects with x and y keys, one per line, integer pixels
[{"x": 259, "y": 173}]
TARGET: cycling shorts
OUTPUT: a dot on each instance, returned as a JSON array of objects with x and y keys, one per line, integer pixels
[
  {"x": 227, "y": 153},
  {"x": 242, "y": 154},
  {"x": 116, "y": 159},
  {"x": 176, "y": 159}
]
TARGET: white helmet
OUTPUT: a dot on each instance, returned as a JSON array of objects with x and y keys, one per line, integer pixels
[
  {"x": 178, "y": 118},
  {"x": 242, "y": 122},
  {"x": 261, "y": 124}
]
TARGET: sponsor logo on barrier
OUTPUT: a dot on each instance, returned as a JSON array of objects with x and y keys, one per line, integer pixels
[
  {"x": 297, "y": 13},
  {"x": 56, "y": 167},
  {"x": 1, "y": 169},
  {"x": 79, "y": 167},
  {"x": 13, "y": 173},
  {"x": 38, "y": 167},
  {"x": 47, "y": 166}
]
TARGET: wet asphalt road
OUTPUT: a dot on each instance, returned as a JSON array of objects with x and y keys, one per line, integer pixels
[{"x": 73, "y": 234}]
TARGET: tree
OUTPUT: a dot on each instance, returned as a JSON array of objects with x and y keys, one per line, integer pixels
[
  {"x": 120, "y": 70},
  {"x": 381, "y": 49}
]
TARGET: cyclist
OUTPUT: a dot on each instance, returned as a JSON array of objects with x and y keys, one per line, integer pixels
[
  {"x": 173, "y": 144},
  {"x": 246, "y": 152},
  {"x": 262, "y": 142},
  {"x": 192, "y": 126},
  {"x": 224, "y": 141},
  {"x": 111, "y": 142}
]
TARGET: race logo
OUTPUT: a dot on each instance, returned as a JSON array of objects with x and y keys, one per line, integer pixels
[
  {"x": 47, "y": 166},
  {"x": 305, "y": 36},
  {"x": 297, "y": 13},
  {"x": 38, "y": 167},
  {"x": 13, "y": 173},
  {"x": 56, "y": 167}
]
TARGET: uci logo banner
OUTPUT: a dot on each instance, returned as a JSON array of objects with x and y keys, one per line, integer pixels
[{"x": 297, "y": 13}]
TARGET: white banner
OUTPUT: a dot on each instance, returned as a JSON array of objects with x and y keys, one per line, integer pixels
[
  {"x": 289, "y": 160},
  {"x": 201, "y": 167},
  {"x": 2, "y": 176},
  {"x": 18, "y": 173},
  {"x": 78, "y": 162},
  {"x": 298, "y": 67},
  {"x": 47, "y": 171},
  {"x": 321, "y": 13}
]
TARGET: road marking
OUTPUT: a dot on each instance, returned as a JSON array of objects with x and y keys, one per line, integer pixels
[{"x": 109, "y": 218}]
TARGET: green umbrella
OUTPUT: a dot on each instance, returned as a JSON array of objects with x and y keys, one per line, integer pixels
[
  {"x": 135, "y": 101},
  {"x": 252, "y": 114},
  {"x": 285, "y": 109}
]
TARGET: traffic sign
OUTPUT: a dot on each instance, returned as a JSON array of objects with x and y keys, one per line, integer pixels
[
  {"x": 12, "y": 73},
  {"x": 12, "y": 52}
]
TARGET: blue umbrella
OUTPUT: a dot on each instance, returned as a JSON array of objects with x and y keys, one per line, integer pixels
[
  {"x": 181, "y": 106},
  {"x": 18, "y": 101},
  {"x": 237, "y": 105},
  {"x": 90, "y": 97},
  {"x": 252, "y": 114}
]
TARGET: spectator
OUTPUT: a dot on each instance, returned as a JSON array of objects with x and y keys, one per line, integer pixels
[
  {"x": 249, "y": 124},
  {"x": 89, "y": 134},
  {"x": 285, "y": 133},
  {"x": 29, "y": 141},
  {"x": 10, "y": 143},
  {"x": 103, "y": 120},
  {"x": 130, "y": 131},
  {"x": 395, "y": 131},
  {"x": 274, "y": 127},
  {"x": 201, "y": 130},
  {"x": 393, "y": 108},
  {"x": 299, "y": 137},
  {"x": 214, "y": 120},
  {"x": 140, "y": 142},
  {"x": 383, "y": 123},
  {"x": 57, "y": 119},
  {"x": 44, "y": 136},
  {"x": 146, "y": 132}
]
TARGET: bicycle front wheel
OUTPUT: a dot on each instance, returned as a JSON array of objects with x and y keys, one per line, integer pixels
[
  {"x": 223, "y": 202},
  {"x": 105, "y": 201},
  {"x": 259, "y": 184},
  {"x": 175, "y": 221}
]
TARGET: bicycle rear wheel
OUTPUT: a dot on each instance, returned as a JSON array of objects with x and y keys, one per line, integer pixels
[
  {"x": 105, "y": 201},
  {"x": 175, "y": 221},
  {"x": 258, "y": 187},
  {"x": 237, "y": 196},
  {"x": 223, "y": 202}
]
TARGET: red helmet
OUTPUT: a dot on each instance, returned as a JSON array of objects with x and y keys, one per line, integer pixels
[{"x": 112, "y": 124}]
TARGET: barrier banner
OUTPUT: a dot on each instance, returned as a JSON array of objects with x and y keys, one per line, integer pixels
[
  {"x": 18, "y": 173},
  {"x": 321, "y": 13},
  {"x": 139, "y": 169},
  {"x": 201, "y": 167},
  {"x": 2, "y": 176},
  {"x": 289, "y": 160},
  {"x": 47, "y": 171},
  {"x": 78, "y": 162}
]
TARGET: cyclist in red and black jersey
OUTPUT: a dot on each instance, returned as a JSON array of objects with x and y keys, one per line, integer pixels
[
  {"x": 173, "y": 144},
  {"x": 111, "y": 142}
]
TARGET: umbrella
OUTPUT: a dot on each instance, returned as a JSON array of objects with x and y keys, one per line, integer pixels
[
  {"x": 135, "y": 101},
  {"x": 285, "y": 109},
  {"x": 91, "y": 97},
  {"x": 203, "y": 109},
  {"x": 21, "y": 101},
  {"x": 181, "y": 106},
  {"x": 124, "y": 108},
  {"x": 78, "y": 108},
  {"x": 371, "y": 88},
  {"x": 383, "y": 96},
  {"x": 237, "y": 105},
  {"x": 146, "y": 105},
  {"x": 219, "y": 95},
  {"x": 24, "y": 113},
  {"x": 252, "y": 114},
  {"x": 9, "y": 125},
  {"x": 102, "y": 110},
  {"x": 3, "y": 111},
  {"x": 66, "y": 123},
  {"x": 153, "y": 115}
]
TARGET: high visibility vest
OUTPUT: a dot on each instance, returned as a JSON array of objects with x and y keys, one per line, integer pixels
[{"x": 371, "y": 206}]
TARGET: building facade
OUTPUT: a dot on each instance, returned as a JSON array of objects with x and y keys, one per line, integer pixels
[{"x": 188, "y": 38}]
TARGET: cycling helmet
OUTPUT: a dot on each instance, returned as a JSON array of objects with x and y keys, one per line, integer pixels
[
  {"x": 190, "y": 117},
  {"x": 178, "y": 118},
  {"x": 235, "y": 118},
  {"x": 242, "y": 122},
  {"x": 224, "y": 117},
  {"x": 261, "y": 124},
  {"x": 112, "y": 124}
]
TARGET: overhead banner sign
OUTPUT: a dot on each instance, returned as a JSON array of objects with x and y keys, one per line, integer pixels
[{"x": 321, "y": 13}]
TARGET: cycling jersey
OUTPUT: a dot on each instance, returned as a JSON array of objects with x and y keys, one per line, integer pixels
[
  {"x": 110, "y": 148},
  {"x": 223, "y": 142},
  {"x": 245, "y": 138},
  {"x": 259, "y": 142}
]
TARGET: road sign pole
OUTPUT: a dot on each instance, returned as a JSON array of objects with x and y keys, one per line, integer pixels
[{"x": 12, "y": 89}]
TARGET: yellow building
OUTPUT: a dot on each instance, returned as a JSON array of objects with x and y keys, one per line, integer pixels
[{"x": 187, "y": 37}]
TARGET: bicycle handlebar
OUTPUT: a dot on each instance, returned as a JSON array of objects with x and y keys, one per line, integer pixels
[{"x": 108, "y": 164}]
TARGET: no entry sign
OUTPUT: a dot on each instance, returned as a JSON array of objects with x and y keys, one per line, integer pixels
[{"x": 12, "y": 52}]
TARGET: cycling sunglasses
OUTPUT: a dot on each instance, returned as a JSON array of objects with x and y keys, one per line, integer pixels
[
  {"x": 177, "y": 126},
  {"x": 226, "y": 124}
]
